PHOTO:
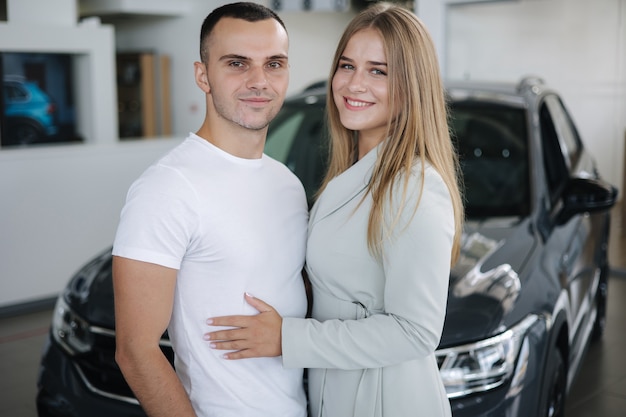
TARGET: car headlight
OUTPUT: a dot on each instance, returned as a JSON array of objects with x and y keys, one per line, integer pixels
[
  {"x": 70, "y": 330},
  {"x": 486, "y": 364}
]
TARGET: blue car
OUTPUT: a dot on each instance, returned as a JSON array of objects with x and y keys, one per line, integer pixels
[{"x": 29, "y": 113}]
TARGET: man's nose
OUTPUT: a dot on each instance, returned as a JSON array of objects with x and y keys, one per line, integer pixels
[{"x": 257, "y": 78}]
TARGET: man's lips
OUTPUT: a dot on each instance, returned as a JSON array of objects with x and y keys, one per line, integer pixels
[{"x": 256, "y": 100}]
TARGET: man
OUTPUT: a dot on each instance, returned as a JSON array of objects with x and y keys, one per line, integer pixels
[{"x": 212, "y": 220}]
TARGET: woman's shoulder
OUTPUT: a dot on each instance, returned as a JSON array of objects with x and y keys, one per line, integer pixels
[
  {"x": 424, "y": 184},
  {"x": 422, "y": 172}
]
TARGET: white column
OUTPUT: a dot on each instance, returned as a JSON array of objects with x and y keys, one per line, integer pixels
[{"x": 433, "y": 14}]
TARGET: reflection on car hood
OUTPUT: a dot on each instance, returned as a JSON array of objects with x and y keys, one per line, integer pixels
[{"x": 486, "y": 281}]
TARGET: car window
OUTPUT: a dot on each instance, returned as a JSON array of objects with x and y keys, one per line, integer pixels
[
  {"x": 281, "y": 138},
  {"x": 14, "y": 92},
  {"x": 492, "y": 143},
  {"x": 491, "y": 140},
  {"x": 297, "y": 138},
  {"x": 553, "y": 156},
  {"x": 569, "y": 139}
]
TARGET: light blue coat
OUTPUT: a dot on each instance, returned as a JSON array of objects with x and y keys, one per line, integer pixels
[{"x": 376, "y": 323}]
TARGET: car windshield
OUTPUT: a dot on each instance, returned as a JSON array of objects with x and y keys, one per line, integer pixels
[
  {"x": 492, "y": 143},
  {"x": 491, "y": 140}
]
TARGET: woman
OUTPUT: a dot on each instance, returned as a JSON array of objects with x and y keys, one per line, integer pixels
[{"x": 382, "y": 234}]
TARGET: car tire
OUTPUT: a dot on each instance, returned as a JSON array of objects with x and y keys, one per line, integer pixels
[
  {"x": 555, "y": 384},
  {"x": 23, "y": 132}
]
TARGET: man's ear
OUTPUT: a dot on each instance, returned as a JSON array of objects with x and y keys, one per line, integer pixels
[{"x": 202, "y": 79}]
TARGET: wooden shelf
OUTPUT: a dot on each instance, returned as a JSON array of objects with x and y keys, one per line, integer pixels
[{"x": 143, "y": 91}]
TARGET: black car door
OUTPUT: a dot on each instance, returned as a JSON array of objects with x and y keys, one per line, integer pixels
[{"x": 571, "y": 244}]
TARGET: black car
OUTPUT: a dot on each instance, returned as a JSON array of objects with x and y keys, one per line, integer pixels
[{"x": 526, "y": 297}]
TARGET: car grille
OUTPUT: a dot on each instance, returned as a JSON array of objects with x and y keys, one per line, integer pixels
[{"x": 99, "y": 370}]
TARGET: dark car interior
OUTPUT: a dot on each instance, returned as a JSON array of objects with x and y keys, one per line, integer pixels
[{"x": 493, "y": 154}]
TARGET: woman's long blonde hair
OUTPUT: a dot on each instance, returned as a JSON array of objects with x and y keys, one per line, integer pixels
[{"x": 420, "y": 128}]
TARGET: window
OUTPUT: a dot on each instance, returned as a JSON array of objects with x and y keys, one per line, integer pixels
[
  {"x": 294, "y": 139},
  {"x": 37, "y": 102},
  {"x": 568, "y": 135},
  {"x": 553, "y": 156},
  {"x": 492, "y": 142}
]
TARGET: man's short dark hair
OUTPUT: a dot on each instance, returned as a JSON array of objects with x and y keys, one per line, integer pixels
[{"x": 248, "y": 11}]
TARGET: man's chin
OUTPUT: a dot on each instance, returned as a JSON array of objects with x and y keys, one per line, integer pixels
[
  {"x": 254, "y": 126},
  {"x": 255, "y": 123}
]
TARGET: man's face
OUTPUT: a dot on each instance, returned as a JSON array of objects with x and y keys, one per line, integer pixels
[{"x": 247, "y": 71}]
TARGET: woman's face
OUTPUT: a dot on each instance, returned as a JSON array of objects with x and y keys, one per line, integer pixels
[{"x": 360, "y": 87}]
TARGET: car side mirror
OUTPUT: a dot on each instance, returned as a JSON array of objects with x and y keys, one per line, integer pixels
[{"x": 583, "y": 195}]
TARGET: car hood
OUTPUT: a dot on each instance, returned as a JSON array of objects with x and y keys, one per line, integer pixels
[
  {"x": 486, "y": 280},
  {"x": 484, "y": 283}
]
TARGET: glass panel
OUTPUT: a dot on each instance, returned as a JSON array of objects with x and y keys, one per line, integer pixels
[
  {"x": 38, "y": 102},
  {"x": 493, "y": 150},
  {"x": 297, "y": 138},
  {"x": 569, "y": 139},
  {"x": 280, "y": 139}
]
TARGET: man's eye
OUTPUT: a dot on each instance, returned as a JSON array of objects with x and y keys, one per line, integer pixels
[
  {"x": 275, "y": 65},
  {"x": 236, "y": 64}
]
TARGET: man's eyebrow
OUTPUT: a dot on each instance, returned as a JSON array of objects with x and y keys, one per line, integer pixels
[
  {"x": 234, "y": 56},
  {"x": 345, "y": 58},
  {"x": 245, "y": 58},
  {"x": 278, "y": 57}
]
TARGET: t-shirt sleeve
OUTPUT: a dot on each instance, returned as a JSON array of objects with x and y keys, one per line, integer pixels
[{"x": 158, "y": 219}]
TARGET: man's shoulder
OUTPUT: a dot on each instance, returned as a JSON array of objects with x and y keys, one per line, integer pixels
[
  {"x": 166, "y": 174},
  {"x": 282, "y": 173},
  {"x": 181, "y": 154},
  {"x": 278, "y": 167}
]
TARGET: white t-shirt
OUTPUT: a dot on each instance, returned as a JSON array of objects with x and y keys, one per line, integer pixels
[{"x": 230, "y": 226}]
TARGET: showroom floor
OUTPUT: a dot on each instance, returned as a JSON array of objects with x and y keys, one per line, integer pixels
[{"x": 599, "y": 390}]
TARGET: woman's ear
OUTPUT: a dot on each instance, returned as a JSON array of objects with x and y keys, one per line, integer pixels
[{"x": 202, "y": 78}]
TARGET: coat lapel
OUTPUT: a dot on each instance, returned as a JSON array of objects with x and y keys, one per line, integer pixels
[{"x": 344, "y": 188}]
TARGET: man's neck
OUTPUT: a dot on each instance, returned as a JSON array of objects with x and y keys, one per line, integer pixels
[{"x": 239, "y": 142}]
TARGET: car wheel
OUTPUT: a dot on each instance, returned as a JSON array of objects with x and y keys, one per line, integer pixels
[
  {"x": 556, "y": 384},
  {"x": 23, "y": 133}
]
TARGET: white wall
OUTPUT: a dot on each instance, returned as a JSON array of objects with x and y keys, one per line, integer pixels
[
  {"x": 58, "y": 208},
  {"x": 313, "y": 37},
  {"x": 577, "y": 46},
  {"x": 51, "y": 215},
  {"x": 59, "y": 205}
]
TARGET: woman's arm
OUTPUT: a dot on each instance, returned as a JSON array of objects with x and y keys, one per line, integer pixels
[
  {"x": 416, "y": 265},
  {"x": 253, "y": 337}
]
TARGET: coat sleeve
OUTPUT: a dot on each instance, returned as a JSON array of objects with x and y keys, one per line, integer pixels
[{"x": 416, "y": 265}]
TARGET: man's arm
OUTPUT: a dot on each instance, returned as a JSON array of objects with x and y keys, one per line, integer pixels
[{"x": 144, "y": 295}]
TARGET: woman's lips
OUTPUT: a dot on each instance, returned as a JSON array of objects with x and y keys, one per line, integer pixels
[{"x": 356, "y": 104}]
